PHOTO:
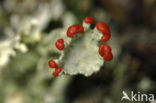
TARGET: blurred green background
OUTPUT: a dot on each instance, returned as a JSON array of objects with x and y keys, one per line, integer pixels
[{"x": 25, "y": 30}]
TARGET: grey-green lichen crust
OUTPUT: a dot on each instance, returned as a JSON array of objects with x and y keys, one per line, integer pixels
[{"x": 81, "y": 55}]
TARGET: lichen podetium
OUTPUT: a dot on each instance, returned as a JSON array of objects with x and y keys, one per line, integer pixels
[{"x": 81, "y": 51}]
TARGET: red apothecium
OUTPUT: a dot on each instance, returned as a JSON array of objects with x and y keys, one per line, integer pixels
[
  {"x": 88, "y": 20},
  {"x": 52, "y": 64},
  {"x": 59, "y": 44}
]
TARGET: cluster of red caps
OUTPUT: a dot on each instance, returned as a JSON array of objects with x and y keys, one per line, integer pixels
[
  {"x": 52, "y": 64},
  {"x": 104, "y": 50}
]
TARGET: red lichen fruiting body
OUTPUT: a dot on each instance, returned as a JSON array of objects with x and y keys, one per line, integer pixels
[
  {"x": 104, "y": 48},
  {"x": 108, "y": 56},
  {"x": 88, "y": 20},
  {"x": 60, "y": 44},
  {"x": 52, "y": 64},
  {"x": 57, "y": 71},
  {"x": 81, "y": 29},
  {"x": 103, "y": 27},
  {"x": 101, "y": 51},
  {"x": 55, "y": 74},
  {"x": 72, "y": 30},
  {"x": 105, "y": 38}
]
